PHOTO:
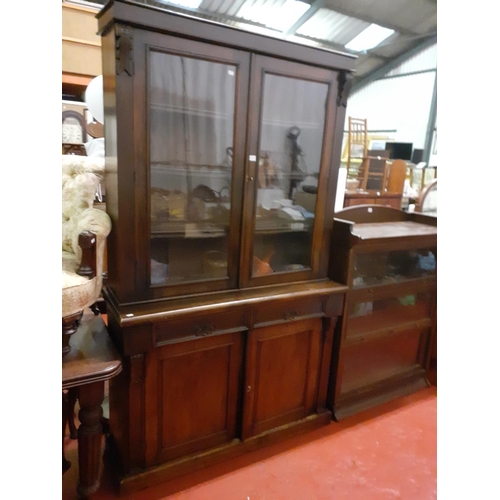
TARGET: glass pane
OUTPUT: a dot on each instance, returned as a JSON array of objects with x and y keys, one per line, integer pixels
[
  {"x": 191, "y": 139},
  {"x": 392, "y": 267},
  {"x": 388, "y": 312},
  {"x": 365, "y": 364},
  {"x": 287, "y": 171}
]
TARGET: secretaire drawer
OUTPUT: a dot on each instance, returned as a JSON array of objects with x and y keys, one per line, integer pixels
[
  {"x": 287, "y": 311},
  {"x": 199, "y": 326}
]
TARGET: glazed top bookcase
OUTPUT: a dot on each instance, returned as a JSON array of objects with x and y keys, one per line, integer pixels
[{"x": 222, "y": 152}]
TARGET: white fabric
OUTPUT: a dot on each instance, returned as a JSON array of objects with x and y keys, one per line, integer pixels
[{"x": 80, "y": 177}]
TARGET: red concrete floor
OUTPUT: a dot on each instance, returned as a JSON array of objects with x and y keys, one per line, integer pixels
[{"x": 385, "y": 453}]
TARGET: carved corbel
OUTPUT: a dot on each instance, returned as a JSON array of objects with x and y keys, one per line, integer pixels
[
  {"x": 345, "y": 83},
  {"x": 124, "y": 50}
]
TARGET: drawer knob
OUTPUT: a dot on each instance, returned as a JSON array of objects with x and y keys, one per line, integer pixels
[
  {"x": 289, "y": 315},
  {"x": 203, "y": 330}
]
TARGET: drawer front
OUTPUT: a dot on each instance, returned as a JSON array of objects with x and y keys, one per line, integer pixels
[
  {"x": 199, "y": 326},
  {"x": 278, "y": 312}
]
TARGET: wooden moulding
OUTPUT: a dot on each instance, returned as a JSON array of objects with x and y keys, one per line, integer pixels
[
  {"x": 185, "y": 465},
  {"x": 379, "y": 393}
]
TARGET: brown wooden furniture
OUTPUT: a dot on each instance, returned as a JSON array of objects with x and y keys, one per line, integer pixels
[
  {"x": 427, "y": 201},
  {"x": 93, "y": 359},
  {"x": 222, "y": 150},
  {"x": 353, "y": 198},
  {"x": 357, "y": 144},
  {"x": 397, "y": 176},
  {"x": 388, "y": 259}
]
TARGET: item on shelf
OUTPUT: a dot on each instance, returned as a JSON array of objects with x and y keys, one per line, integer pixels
[
  {"x": 167, "y": 205},
  {"x": 294, "y": 267},
  {"x": 206, "y": 204},
  {"x": 262, "y": 267},
  {"x": 267, "y": 175},
  {"x": 362, "y": 309},
  {"x": 290, "y": 213},
  {"x": 269, "y": 198},
  {"x": 159, "y": 272},
  {"x": 306, "y": 200},
  {"x": 215, "y": 264},
  {"x": 310, "y": 189},
  {"x": 296, "y": 154}
]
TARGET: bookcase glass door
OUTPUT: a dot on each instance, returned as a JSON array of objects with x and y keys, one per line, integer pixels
[
  {"x": 291, "y": 135},
  {"x": 191, "y": 130}
]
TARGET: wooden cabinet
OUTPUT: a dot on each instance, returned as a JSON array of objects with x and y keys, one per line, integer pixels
[
  {"x": 389, "y": 260},
  {"x": 222, "y": 154}
]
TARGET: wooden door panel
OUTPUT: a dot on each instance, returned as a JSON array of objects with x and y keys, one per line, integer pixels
[
  {"x": 282, "y": 374},
  {"x": 195, "y": 387}
]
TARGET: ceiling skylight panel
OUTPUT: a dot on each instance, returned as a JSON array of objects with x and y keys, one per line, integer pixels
[
  {"x": 279, "y": 15},
  {"x": 369, "y": 38},
  {"x": 190, "y": 4}
]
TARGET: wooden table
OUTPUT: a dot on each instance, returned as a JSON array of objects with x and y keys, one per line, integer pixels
[{"x": 92, "y": 360}]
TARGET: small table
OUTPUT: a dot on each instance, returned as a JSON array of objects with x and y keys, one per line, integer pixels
[{"x": 92, "y": 360}]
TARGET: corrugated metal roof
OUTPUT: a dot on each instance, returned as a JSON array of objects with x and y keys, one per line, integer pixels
[
  {"x": 405, "y": 14},
  {"x": 427, "y": 59},
  {"x": 335, "y": 24}
]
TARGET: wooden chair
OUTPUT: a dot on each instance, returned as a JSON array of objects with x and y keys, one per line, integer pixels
[
  {"x": 357, "y": 138},
  {"x": 427, "y": 201}
]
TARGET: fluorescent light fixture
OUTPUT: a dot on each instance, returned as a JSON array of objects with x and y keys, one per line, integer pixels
[
  {"x": 369, "y": 38},
  {"x": 190, "y": 4},
  {"x": 278, "y": 16}
]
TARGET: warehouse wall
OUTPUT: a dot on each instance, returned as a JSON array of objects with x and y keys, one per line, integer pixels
[{"x": 399, "y": 103}]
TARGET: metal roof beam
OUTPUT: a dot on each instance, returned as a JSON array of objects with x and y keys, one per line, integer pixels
[
  {"x": 315, "y": 6},
  {"x": 393, "y": 63},
  {"x": 431, "y": 125}
]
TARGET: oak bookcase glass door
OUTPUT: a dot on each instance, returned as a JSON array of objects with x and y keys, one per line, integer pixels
[
  {"x": 191, "y": 123},
  {"x": 292, "y": 125}
]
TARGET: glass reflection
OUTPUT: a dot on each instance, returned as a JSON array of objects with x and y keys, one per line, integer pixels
[
  {"x": 287, "y": 172},
  {"x": 191, "y": 127}
]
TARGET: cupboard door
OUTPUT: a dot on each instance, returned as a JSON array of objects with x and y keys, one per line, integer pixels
[
  {"x": 282, "y": 374},
  {"x": 192, "y": 396},
  {"x": 194, "y": 133},
  {"x": 292, "y": 116}
]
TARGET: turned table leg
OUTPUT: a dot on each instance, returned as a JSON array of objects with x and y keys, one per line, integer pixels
[
  {"x": 72, "y": 397},
  {"x": 91, "y": 397},
  {"x": 66, "y": 464}
]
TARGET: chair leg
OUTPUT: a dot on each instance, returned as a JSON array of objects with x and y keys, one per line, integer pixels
[
  {"x": 95, "y": 309},
  {"x": 69, "y": 327}
]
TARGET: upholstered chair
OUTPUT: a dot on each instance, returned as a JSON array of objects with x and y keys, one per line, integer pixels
[{"x": 84, "y": 232}]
